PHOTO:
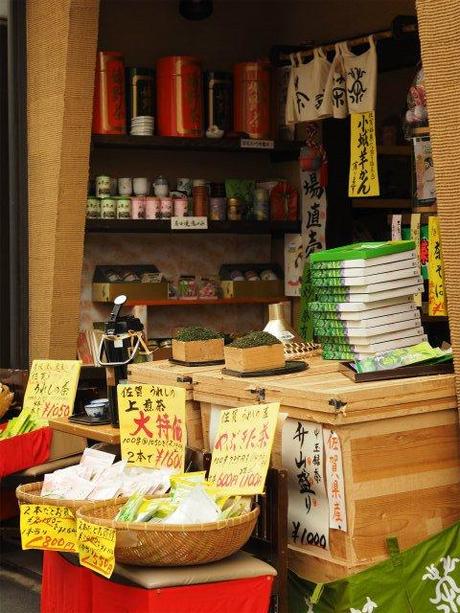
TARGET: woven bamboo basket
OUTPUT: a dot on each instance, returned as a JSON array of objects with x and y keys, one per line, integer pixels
[
  {"x": 146, "y": 544},
  {"x": 29, "y": 493}
]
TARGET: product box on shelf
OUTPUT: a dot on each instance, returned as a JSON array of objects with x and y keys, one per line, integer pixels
[
  {"x": 251, "y": 280},
  {"x": 137, "y": 282}
]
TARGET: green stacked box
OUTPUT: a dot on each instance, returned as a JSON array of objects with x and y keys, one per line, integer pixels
[{"x": 364, "y": 299}]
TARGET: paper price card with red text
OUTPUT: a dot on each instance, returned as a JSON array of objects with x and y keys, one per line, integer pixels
[
  {"x": 152, "y": 425},
  {"x": 52, "y": 387},
  {"x": 44, "y": 526},
  {"x": 96, "y": 547},
  {"x": 242, "y": 448}
]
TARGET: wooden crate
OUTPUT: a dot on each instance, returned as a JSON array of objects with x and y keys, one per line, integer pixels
[
  {"x": 198, "y": 351},
  {"x": 163, "y": 372},
  {"x": 401, "y": 456},
  {"x": 254, "y": 358}
]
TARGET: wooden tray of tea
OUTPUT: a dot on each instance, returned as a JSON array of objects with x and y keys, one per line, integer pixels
[{"x": 404, "y": 372}]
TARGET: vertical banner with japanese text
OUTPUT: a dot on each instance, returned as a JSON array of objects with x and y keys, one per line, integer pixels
[
  {"x": 335, "y": 481},
  {"x": 437, "y": 303},
  {"x": 314, "y": 212},
  {"x": 242, "y": 448},
  {"x": 152, "y": 425},
  {"x": 308, "y": 510},
  {"x": 47, "y": 527},
  {"x": 364, "y": 176},
  {"x": 52, "y": 387}
]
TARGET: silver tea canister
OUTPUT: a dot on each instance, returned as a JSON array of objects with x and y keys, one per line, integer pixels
[
  {"x": 103, "y": 184},
  {"x": 123, "y": 207},
  {"x": 108, "y": 208},
  {"x": 93, "y": 208}
]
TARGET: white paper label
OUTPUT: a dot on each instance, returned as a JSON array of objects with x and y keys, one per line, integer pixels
[
  {"x": 396, "y": 221},
  {"x": 189, "y": 223},
  {"x": 250, "y": 143},
  {"x": 335, "y": 481},
  {"x": 308, "y": 510}
]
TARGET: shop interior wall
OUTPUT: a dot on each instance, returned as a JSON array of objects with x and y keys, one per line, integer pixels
[{"x": 237, "y": 31}]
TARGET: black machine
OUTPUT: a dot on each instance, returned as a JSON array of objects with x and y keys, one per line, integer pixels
[{"x": 120, "y": 343}]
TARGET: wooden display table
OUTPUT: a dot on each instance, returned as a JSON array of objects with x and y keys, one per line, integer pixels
[
  {"x": 400, "y": 444},
  {"x": 163, "y": 372},
  {"x": 104, "y": 434}
]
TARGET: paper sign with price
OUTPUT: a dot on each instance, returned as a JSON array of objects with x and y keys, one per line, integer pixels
[
  {"x": 44, "y": 526},
  {"x": 242, "y": 448},
  {"x": 52, "y": 387},
  {"x": 96, "y": 547},
  {"x": 152, "y": 425}
]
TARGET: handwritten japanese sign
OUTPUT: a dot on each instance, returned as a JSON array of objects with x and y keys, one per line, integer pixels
[
  {"x": 308, "y": 505},
  {"x": 52, "y": 387},
  {"x": 314, "y": 205},
  {"x": 415, "y": 236},
  {"x": 249, "y": 143},
  {"x": 152, "y": 425},
  {"x": 242, "y": 448},
  {"x": 335, "y": 481},
  {"x": 189, "y": 223},
  {"x": 364, "y": 178},
  {"x": 437, "y": 303},
  {"x": 44, "y": 526},
  {"x": 96, "y": 547}
]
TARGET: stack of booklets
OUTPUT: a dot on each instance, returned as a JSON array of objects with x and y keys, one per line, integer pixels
[{"x": 364, "y": 299}]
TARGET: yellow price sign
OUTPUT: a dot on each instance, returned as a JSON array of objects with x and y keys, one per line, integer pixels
[
  {"x": 96, "y": 547},
  {"x": 152, "y": 425},
  {"x": 48, "y": 527},
  {"x": 437, "y": 300},
  {"x": 364, "y": 177},
  {"x": 52, "y": 387},
  {"x": 242, "y": 448}
]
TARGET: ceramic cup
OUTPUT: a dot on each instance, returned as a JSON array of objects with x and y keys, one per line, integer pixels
[
  {"x": 184, "y": 185},
  {"x": 108, "y": 208},
  {"x": 138, "y": 208},
  {"x": 93, "y": 208},
  {"x": 123, "y": 207},
  {"x": 125, "y": 186},
  {"x": 166, "y": 208},
  {"x": 152, "y": 208},
  {"x": 141, "y": 186},
  {"x": 102, "y": 186},
  {"x": 180, "y": 207},
  {"x": 161, "y": 187}
]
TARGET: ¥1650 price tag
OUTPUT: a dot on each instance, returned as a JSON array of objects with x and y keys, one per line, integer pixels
[
  {"x": 96, "y": 547},
  {"x": 47, "y": 527}
]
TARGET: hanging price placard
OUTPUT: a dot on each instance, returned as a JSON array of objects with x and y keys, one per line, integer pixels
[
  {"x": 437, "y": 304},
  {"x": 52, "y": 387},
  {"x": 47, "y": 527},
  {"x": 96, "y": 547},
  {"x": 364, "y": 177}
]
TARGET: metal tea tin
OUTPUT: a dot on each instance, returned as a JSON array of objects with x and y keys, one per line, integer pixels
[
  {"x": 218, "y": 209},
  {"x": 234, "y": 209},
  {"x": 218, "y": 100},
  {"x": 103, "y": 185},
  {"x": 93, "y": 208},
  {"x": 140, "y": 91},
  {"x": 123, "y": 207},
  {"x": 251, "y": 100},
  {"x": 109, "y": 105},
  {"x": 108, "y": 208}
]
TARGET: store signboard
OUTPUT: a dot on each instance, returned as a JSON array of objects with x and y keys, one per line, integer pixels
[
  {"x": 152, "y": 425},
  {"x": 48, "y": 527},
  {"x": 52, "y": 388},
  {"x": 242, "y": 448},
  {"x": 96, "y": 547}
]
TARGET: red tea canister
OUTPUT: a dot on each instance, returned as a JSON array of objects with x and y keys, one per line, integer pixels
[
  {"x": 251, "y": 103},
  {"x": 109, "y": 105},
  {"x": 179, "y": 96}
]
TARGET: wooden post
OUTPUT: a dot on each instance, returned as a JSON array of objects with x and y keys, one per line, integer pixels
[
  {"x": 61, "y": 55},
  {"x": 439, "y": 24}
]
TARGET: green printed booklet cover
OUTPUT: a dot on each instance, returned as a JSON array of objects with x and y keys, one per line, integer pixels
[
  {"x": 422, "y": 353},
  {"x": 403, "y": 277},
  {"x": 355, "y": 307},
  {"x": 362, "y": 251},
  {"x": 399, "y": 267},
  {"x": 366, "y": 297}
]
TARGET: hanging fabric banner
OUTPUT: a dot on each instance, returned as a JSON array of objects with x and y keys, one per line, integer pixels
[
  {"x": 364, "y": 177},
  {"x": 314, "y": 206},
  {"x": 308, "y": 506},
  {"x": 335, "y": 481},
  {"x": 437, "y": 304}
]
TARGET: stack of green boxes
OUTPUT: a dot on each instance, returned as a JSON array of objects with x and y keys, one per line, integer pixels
[{"x": 364, "y": 299}]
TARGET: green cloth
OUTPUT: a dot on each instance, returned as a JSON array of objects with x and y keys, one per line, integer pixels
[{"x": 423, "y": 579}]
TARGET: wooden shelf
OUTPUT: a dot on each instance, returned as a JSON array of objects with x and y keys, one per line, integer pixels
[
  {"x": 283, "y": 149},
  {"x": 396, "y": 150},
  {"x": 104, "y": 434},
  {"x": 214, "y": 227},
  {"x": 381, "y": 203},
  {"x": 198, "y": 302},
  {"x": 430, "y": 209}
]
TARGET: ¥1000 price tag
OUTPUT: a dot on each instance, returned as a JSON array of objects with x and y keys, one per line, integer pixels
[
  {"x": 48, "y": 527},
  {"x": 96, "y": 547}
]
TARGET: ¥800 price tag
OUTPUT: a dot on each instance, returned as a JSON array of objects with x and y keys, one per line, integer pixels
[
  {"x": 44, "y": 526},
  {"x": 96, "y": 547}
]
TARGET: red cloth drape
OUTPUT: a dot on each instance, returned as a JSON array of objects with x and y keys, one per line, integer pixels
[
  {"x": 68, "y": 588},
  {"x": 26, "y": 450}
]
